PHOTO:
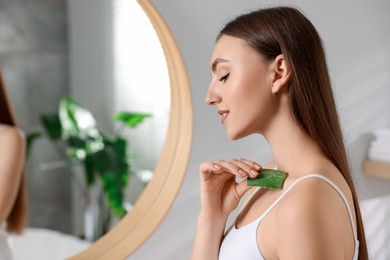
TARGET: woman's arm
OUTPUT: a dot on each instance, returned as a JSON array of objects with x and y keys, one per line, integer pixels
[
  {"x": 220, "y": 195},
  {"x": 208, "y": 237},
  {"x": 12, "y": 158}
]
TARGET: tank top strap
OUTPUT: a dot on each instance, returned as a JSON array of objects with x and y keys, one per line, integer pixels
[
  {"x": 257, "y": 222},
  {"x": 336, "y": 188},
  {"x": 314, "y": 175},
  {"x": 265, "y": 213},
  {"x": 339, "y": 191}
]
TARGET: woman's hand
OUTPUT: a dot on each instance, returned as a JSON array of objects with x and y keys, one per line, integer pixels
[{"x": 220, "y": 193}]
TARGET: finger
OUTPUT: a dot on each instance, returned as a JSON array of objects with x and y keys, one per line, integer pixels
[
  {"x": 242, "y": 188},
  {"x": 251, "y": 163},
  {"x": 210, "y": 167},
  {"x": 249, "y": 168},
  {"x": 228, "y": 166}
]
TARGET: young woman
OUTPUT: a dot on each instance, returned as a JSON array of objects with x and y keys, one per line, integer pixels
[
  {"x": 12, "y": 185},
  {"x": 269, "y": 77}
]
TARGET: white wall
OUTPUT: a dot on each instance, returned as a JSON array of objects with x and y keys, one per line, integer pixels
[
  {"x": 89, "y": 57},
  {"x": 34, "y": 65},
  {"x": 357, "y": 43}
]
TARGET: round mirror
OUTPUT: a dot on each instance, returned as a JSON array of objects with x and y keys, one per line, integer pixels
[
  {"x": 118, "y": 39},
  {"x": 159, "y": 194},
  {"x": 170, "y": 146}
]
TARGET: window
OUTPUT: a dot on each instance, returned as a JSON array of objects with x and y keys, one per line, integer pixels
[{"x": 141, "y": 82}]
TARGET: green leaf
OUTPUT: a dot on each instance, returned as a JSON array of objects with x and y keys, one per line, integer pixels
[
  {"x": 76, "y": 148},
  {"x": 52, "y": 125},
  {"x": 31, "y": 137},
  {"x": 89, "y": 168},
  {"x": 131, "y": 119},
  {"x": 75, "y": 119},
  {"x": 268, "y": 178},
  {"x": 79, "y": 130},
  {"x": 112, "y": 165}
]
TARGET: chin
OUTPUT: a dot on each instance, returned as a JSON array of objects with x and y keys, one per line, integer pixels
[{"x": 236, "y": 135}]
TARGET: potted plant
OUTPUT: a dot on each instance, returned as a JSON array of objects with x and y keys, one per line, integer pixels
[{"x": 105, "y": 158}]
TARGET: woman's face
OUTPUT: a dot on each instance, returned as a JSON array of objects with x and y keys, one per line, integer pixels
[{"x": 240, "y": 87}]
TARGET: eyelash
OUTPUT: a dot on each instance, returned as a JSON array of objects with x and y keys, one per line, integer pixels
[{"x": 224, "y": 78}]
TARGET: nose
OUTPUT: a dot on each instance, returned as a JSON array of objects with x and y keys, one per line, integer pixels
[{"x": 212, "y": 98}]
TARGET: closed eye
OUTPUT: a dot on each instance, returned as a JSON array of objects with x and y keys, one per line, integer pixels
[{"x": 224, "y": 78}]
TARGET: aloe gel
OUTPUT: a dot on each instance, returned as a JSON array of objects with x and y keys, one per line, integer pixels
[{"x": 268, "y": 178}]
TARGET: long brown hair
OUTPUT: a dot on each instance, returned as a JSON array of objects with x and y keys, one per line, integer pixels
[
  {"x": 285, "y": 30},
  {"x": 17, "y": 219}
]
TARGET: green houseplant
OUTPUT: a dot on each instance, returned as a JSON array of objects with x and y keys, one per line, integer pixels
[{"x": 105, "y": 158}]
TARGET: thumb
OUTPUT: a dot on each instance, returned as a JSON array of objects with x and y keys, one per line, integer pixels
[{"x": 242, "y": 188}]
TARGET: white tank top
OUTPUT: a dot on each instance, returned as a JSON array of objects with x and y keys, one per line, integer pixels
[
  {"x": 5, "y": 251},
  {"x": 242, "y": 243}
]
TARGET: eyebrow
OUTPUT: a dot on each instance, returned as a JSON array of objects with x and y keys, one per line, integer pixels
[{"x": 216, "y": 62}]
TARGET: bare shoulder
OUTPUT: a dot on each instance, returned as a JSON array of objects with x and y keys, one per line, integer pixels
[
  {"x": 313, "y": 214},
  {"x": 11, "y": 132},
  {"x": 12, "y": 138},
  {"x": 310, "y": 195},
  {"x": 12, "y": 153}
]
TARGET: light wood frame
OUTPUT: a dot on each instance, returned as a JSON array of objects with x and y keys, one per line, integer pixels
[{"x": 154, "y": 203}]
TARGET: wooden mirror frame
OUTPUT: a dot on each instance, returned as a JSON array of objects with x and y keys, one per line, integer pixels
[{"x": 157, "y": 198}]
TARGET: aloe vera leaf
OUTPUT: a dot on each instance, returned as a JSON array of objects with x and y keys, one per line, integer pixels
[
  {"x": 268, "y": 178},
  {"x": 131, "y": 119}
]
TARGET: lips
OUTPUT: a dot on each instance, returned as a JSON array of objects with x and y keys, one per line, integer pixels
[{"x": 224, "y": 114}]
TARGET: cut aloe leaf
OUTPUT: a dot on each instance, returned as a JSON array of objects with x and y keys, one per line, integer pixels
[{"x": 268, "y": 178}]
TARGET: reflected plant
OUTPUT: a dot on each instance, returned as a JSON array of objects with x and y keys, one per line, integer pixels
[{"x": 103, "y": 157}]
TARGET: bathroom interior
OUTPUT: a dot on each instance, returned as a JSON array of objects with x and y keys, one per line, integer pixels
[{"x": 152, "y": 57}]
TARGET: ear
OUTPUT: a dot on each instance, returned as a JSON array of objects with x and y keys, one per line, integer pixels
[{"x": 281, "y": 72}]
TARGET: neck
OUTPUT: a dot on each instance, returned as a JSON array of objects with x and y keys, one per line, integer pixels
[{"x": 293, "y": 149}]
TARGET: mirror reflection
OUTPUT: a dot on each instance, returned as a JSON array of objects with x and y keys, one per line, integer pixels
[{"x": 98, "y": 54}]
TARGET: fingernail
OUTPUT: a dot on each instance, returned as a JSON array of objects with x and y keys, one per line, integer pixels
[
  {"x": 242, "y": 173},
  {"x": 253, "y": 173},
  {"x": 257, "y": 167},
  {"x": 216, "y": 166}
]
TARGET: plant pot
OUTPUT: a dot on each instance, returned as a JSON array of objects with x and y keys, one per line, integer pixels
[{"x": 90, "y": 212}]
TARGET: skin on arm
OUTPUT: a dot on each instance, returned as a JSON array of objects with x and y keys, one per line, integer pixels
[
  {"x": 208, "y": 238},
  {"x": 311, "y": 222},
  {"x": 12, "y": 158}
]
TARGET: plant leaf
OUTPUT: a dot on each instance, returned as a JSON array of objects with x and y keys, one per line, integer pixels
[
  {"x": 75, "y": 119},
  {"x": 76, "y": 148},
  {"x": 31, "y": 137},
  {"x": 268, "y": 178},
  {"x": 113, "y": 168},
  {"x": 52, "y": 125},
  {"x": 89, "y": 168},
  {"x": 79, "y": 130},
  {"x": 131, "y": 119}
]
